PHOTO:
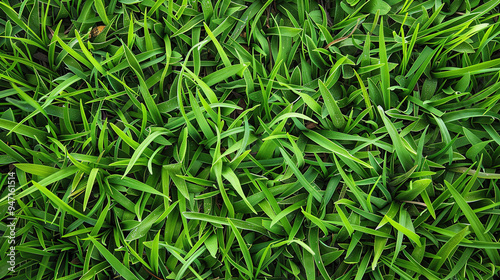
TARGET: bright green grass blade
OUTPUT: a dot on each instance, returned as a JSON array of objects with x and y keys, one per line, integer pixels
[
  {"x": 133, "y": 184},
  {"x": 479, "y": 68},
  {"x": 428, "y": 203},
  {"x": 11, "y": 152},
  {"x": 73, "y": 53},
  {"x": 150, "y": 103},
  {"x": 99, "y": 6},
  {"x": 358, "y": 193},
  {"x": 419, "y": 67},
  {"x": 220, "y": 50},
  {"x": 287, "y": 211},
  {"x": 200, "y": 118},
  {"x": 223, "y": 221},
  {"x": 235, "y": 182},
  {"x": 113, "y": 261},
  {"x": 474, "y": 221},
  {"x": 300, "y": 177},
  {"x": 223, "y": 74},
  {"x": 211, "y": 96},
  {"x": 384, "y": 71},
  {"x": 88, "y": 55},
  {"x": 445, "y": 136},
  {"x": 363, "y": 265},
  {"x": 308, "y": 263},
  {"x": 212, "y": 245},
  {"x": 445, "y": 252},
  {"x": 90, "y": 184},
  {"x": 22, "y": 129},
  {"x": 338, "y": 150},
  {"x": 412, "y": 235},
  {"x": 140, "y": 150},
  {"x": 316, "y": 221},
  {"x": 379, "y": 246},
  {"x": 145, "y": 225},
  {"x": 61, "y": 204},
  {"x": 332, "y": 107},
  {"x": 416, "y": 187},
  {"x": 37, "y": 169},
  {"x": 287, "y": 116},
  {"x": 30, "y": 100},
  {"x": 132, "y": 60},
  {"x": 100, "y": 220},
  {"x": 189, "y": 261},
  {"x": 244, "y": 249},
  {"x": 404, "y": 155},
  {"x": 307, "y": 99},
  {"x": 460, "y": 263},
  {"x": 346, "y": 222},
  {"x": 91, "y": 273},
  {"x": 14, "y": 16}
]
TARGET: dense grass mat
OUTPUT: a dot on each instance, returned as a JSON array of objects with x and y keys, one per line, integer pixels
[{"x": 199, "y": 139}]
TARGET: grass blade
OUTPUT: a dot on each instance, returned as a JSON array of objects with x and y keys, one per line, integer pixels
[{"x": 113, "y": 261}]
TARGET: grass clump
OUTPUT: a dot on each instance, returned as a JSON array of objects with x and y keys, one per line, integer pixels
[{"x": 250, "y": 139}]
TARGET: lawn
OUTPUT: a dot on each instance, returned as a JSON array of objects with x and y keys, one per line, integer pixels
[{"x": 233, "y": 139}]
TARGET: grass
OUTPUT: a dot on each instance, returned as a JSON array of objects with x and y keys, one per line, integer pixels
[{"x": 250, "y": 139}]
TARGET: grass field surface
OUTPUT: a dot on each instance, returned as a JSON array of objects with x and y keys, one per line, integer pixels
[{"x": 199, "y": 139}]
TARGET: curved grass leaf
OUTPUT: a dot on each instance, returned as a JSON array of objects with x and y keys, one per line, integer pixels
[{"x": 113, "y": 261}]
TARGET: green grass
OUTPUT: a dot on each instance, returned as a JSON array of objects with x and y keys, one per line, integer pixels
[{"x": 250, "y": 139}]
